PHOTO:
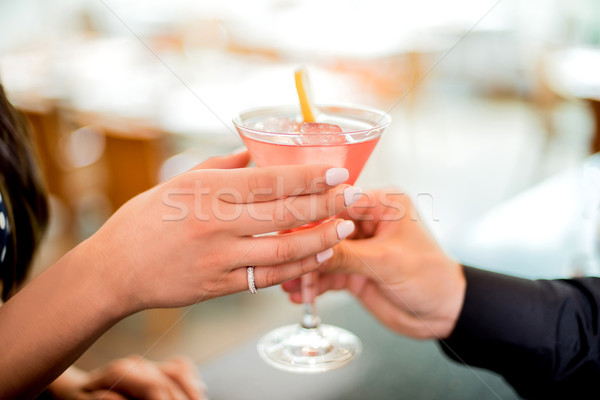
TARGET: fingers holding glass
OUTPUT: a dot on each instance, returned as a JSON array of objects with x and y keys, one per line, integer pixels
[
  {"x": 269, "y": 183},
  {"x": 327, "y": 282},
  {"x": 289, "y": 247},
  {"x": 293, "y": 211},
  {"x": 266, "y": 276},
  {"x": 279, "y": 258}
]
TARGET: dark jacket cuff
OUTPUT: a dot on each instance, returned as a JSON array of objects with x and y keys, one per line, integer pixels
[{"x": 541, "y": 335}]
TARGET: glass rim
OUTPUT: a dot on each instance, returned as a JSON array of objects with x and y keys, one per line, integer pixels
[{"x": 382, "y": 122}]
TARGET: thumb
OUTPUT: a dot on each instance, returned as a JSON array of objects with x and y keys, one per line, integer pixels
[{"x": 237, "y": 159}]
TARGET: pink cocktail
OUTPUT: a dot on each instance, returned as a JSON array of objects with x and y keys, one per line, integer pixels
[{"x": 344, "y": 136}]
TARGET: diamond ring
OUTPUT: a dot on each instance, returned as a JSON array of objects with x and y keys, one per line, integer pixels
[{"x": 251, "y": 285}]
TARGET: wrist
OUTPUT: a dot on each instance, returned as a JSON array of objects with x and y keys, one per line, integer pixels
[
  {"x": 52, "y": 321},
  {"x": 458, "y": 287},
  {"x": 451, "y": 302},
  {"x": 103, "y": 283}
]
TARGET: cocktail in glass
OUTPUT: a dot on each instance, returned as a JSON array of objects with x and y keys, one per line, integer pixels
[{"x": 276, "y": 136}]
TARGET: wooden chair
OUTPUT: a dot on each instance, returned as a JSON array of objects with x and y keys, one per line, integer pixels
[{"x": 595, "y": 106}]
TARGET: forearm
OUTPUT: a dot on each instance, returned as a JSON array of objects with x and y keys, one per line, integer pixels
[
  {"x": 46, "y": 326},
  {"x": 542, "y": 336}
]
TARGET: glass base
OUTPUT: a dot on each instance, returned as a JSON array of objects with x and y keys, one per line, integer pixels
[{"x": 293, "y": 348}]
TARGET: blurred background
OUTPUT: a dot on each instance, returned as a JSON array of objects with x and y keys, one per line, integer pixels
[{"x": 487, "y": 98}]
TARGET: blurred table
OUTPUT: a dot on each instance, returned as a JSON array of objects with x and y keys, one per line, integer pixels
[
  {"x": 573, "y": 73},
  {"x": 390, "y": 367},
  {"x": 595, "y": 105}
]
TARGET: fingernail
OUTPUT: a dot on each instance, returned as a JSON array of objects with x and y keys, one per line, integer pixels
[
  {"x": 344, "y": 229},
  {"x": 239, "y": 150},
  {"x": 335, "y": 176},
  {"x": 351, "y": 195},
  {"x": 324, "y": 255}
]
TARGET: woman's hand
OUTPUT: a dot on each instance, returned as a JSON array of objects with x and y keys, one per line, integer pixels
[
  {"x": 190, "y": 238},
  {"x": 131, "y": 377},
  {"x": 396, "y": 269},
  {"x": 184, "y": 241}
]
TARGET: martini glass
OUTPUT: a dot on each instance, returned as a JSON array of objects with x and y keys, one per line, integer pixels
[{"x": 273, "y": 137}]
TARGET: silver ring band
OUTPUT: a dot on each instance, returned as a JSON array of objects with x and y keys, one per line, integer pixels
[{"x": 251, "y": 285}]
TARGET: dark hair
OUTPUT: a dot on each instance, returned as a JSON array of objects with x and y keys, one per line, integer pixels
[{"x": 24, "y": 196}]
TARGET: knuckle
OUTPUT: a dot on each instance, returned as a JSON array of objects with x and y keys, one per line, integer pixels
[
  {"x": 307, "y": 264},
  {"x": 282, "y": 217},
  {"x": 341, "y": 257},
  {"x": 308, "y": 178},
  {"x": 271, "y": 277},
  {"x": 284, "y": 251},
  {"x": 335, "y": 200},
  {"x": 253, "y": 182},
  {"x": 118, "y": 368},
  {"x": 259, "y": 181},
  {"x": 327, "y": 203},
  {"x": 324, "y": 240}
]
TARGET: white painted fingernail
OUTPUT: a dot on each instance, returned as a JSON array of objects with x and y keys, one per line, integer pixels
[
  {"x": 335, "y": 176},
  {"x": 351, "y": 195},
  {"x": 344, "y": 229},
  {"x": 324, "y": 255}
]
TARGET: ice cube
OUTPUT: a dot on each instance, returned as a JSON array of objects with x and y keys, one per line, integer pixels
[
  {"x": 279, "y": 125},
  {"x": 316, "y": 127},
  {"x": 314, "y": 133}
]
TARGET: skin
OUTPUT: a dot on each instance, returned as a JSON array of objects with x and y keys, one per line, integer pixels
[
  {"x": 150, "y": 254},
  {"x": 131, "y": 377},
  {"x": 395, "y": 268}
]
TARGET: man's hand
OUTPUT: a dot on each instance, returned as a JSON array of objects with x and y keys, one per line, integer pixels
[{"x": 395, "y": 267}]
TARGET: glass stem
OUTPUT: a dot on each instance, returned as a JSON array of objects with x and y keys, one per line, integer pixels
[{"x": 309, "y": 285}]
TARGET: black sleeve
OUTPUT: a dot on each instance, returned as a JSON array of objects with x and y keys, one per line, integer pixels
[{"x": 543, "y": 336}]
